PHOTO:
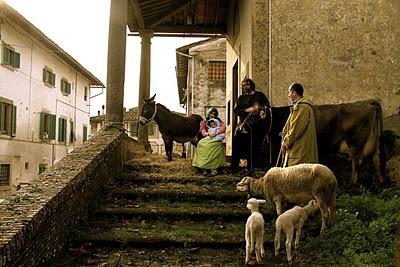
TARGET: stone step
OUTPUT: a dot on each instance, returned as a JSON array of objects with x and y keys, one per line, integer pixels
[
  {"x": 174, "y": 166},
  {"x": 89, "y": 254},
  {"x": 147, "y": 178},
  {"x": 231, "y": 211},
  {"x": 164, "y": 233},
  {"x": 179, "y": 193}
]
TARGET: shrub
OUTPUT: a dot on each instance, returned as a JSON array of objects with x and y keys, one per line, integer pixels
[{"x": 364, "y": 231}]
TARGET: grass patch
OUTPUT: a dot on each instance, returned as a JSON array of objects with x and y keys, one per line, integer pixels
[{"x": 364, "y": 233}]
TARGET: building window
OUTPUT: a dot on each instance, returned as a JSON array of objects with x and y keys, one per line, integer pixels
[
  {"x": 5, "y": 174},
  {"x": 42, "y": 168},
  {"x": 62, "y": 130},
  {"x": 65, "y": 87},
  {"x": 84, "y": 133},
  {"x": 8, "y": 118},
  {"x": 49, "y": 78},
  {"x": 85, "y": 93},
  {"x": 217, "y": 70},
  {"x": 47, "y": 126},
  {"x": 10, "y": 58}
]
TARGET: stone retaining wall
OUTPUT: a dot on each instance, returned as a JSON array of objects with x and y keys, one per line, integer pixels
[{"x": 36, "y": 220}]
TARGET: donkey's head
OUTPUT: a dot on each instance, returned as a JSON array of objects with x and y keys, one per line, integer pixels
[{"x": 148, "y": 110}]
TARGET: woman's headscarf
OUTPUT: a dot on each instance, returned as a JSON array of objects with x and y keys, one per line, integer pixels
[{"x": 212, "y": 110}]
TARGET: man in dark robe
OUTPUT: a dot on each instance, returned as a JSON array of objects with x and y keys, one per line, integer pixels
[{"x": 248, "y": 142}]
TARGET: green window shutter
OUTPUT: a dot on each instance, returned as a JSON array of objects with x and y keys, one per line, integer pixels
[
  {"x": 69, "y": 88},
  {"x": 62, "y": 85},
  {"x": 84, "y": 133},
  {"x": 59, "y": 129},
  {"x": 44, "y": 75},
  {"x": 14, "y": 121},
  {"x": 1, "y": 115},
  {"x": 53, "y": 79},
  {"x": 6, "y": 55},
  {"x": 17, "y": 57},
  {"x": 64, "y": 130},
  {"x": 42, "y": 168},
  {"x": 41, "y": 131},
  {"x": 52, "y": 130}
]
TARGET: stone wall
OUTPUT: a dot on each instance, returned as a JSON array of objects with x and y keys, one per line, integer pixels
[
  {"x": 36, "y": 220},
  {"x": 207, "y": 93}
]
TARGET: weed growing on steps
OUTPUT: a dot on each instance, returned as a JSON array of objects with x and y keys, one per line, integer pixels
[{"x": 364, "y": 233}]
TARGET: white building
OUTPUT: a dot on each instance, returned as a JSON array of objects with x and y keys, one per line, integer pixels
[{"x": 44, "y": 100}]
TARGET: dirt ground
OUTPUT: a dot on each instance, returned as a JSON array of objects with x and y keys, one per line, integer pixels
[{"x": 179, "y": 166}]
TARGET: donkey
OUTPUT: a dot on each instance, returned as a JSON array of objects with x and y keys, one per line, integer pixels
[{"x": 172, "y": 126}]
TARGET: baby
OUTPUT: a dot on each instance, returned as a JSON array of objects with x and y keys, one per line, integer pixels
[{"x": 213, "y": 125}]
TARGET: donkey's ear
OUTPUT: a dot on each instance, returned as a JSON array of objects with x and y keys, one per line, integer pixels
[
  {"x": 261, "y": 201},
  {"x": 152, "y": 98}
]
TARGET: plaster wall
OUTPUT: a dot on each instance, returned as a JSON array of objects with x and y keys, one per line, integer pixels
[{"x": 341, "y": 51}]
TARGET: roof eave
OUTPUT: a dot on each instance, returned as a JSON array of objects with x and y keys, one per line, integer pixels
[{"x": 17, "y": 18}]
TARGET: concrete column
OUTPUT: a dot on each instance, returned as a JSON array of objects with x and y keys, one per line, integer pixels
[
  {"x": 144, "y": 82},
  {"x": 116, "y": 62}
]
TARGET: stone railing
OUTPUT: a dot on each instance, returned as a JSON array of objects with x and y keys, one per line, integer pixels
[{"x": 35, "y": 221}]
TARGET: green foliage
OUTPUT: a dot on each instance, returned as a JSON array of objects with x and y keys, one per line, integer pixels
[{"x": 364, "y": 232}]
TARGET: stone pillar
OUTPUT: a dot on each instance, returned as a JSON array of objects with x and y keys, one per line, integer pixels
[
  {"x": 116, "y": 62},
  {"x": 144, "y": 82}
]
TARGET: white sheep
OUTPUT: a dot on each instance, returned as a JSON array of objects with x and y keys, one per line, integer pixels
[
  {"x": 298, "y": 184},
  {"x": 288, "y": 222},
  {"x": 254, "y": 231}
]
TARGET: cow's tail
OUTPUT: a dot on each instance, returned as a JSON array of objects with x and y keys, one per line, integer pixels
[{"x": 379, "y": 129}]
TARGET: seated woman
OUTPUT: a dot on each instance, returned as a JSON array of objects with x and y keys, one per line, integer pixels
[{"x": 210, "y": 153}]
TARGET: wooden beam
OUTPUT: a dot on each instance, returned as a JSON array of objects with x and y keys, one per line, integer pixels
[
  {"x": 183, "y": 35},
  {"x": 175, "y": 10},
  {"x": 206, "y": 13},
  {"x": 216, "y": 14},
  {"x": 190, "y": 29},
  {"x": 138, "y": 13},
  {"x": 158, "y": 5}
]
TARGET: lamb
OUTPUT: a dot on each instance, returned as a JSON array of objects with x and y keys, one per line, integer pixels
[
  {"x": 288, "y": 222},
  {"x": 254, "y": 231},
  {"x": 298, "y": 184}
]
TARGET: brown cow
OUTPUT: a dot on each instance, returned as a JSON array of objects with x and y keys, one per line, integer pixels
[{"x": 353, "y": 129}]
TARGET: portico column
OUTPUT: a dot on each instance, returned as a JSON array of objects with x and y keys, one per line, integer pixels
[
  {"x": 144, "y": 82},
  {"x": 116, "y": 62}
]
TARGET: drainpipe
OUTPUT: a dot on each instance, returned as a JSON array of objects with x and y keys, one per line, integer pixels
[
  {"x": 30, "y": 94},
  {"x": 270, "y": 50},
  {"x": 75, "y": 121},
  {"x": 270, "y": 66},
  {"x": 90, "y": 90}
]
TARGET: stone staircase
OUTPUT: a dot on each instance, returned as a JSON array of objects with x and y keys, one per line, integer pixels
[{"x": 149, "y": 217}]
